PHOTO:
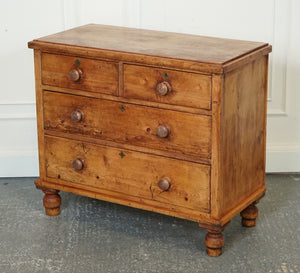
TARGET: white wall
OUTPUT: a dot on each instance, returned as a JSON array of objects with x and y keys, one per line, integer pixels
[{"x": 273, "y": 21}]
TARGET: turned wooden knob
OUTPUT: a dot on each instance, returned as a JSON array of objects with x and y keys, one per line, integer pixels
[
  {"x": 78, "y": 164},
  {"x": 77, "y": 115},
  {"x": 75, "y": 74},
  {"x": 163, "y": 88},
  {"x": 164, "y": 183},
  {"x": 163, "y": 131}
]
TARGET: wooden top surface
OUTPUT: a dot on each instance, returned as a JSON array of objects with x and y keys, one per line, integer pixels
[{"x": 154, "y": 43}]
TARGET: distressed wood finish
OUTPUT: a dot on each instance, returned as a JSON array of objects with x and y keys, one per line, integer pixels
[
  {"x": 51, "y": 201},
  {"x": 96, "y": 76},
  {"x": 187, "y": 89},
  {"x": 249, "y": 215},
  {"x": 130, "y": 173},
  {"x": 189, "y": 134},
  {"x": 39, "y": 110},
  {"x": 157, "y": 43},
  {"x": 214, "y": 240},
  {"x": 164, "y": 122},
  {"x": 243, "y": 134}
]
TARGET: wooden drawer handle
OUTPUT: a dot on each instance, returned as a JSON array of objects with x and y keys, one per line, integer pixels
[
  {"x": 77, "y": 115},
  {"x": 78, "y": 164},
  {"x": 163, "y": 131},
  {"x": 164, "y": 183},
  {"x": 163, "y": 88},
  {"x": 75, "y": 74}
]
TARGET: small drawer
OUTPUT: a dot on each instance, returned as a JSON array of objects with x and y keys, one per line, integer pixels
[
  {"x": 167, "y": 86},
  {"x": 80, "y": 73},
  {"x": 170, "y": 181},
  {"x": 159, "y": 129}
]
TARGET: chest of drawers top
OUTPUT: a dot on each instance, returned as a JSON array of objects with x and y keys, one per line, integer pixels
[{"x": 182, "y": 51}]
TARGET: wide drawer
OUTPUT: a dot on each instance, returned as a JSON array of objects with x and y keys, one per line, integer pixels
[
  {"x": 167, "y": 86},
  {"x": 80, "y": 73},
  {"x": 137, "y": 125},
  {"x": 128, "y": 172}
]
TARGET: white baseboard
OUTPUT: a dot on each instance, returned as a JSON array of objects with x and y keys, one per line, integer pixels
[
  {"x": 19, "y": 163},
  {"x": 283, "y": 158}
]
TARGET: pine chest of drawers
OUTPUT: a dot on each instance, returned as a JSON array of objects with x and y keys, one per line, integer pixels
[{"x": 165, "y": 122}]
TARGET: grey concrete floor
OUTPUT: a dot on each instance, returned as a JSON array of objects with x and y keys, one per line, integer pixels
[{"x": 95, "y": 236}]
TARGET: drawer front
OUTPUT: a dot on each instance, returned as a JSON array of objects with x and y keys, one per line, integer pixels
[
  {"x": 167, "y": 86},
  {"x": 128, "y": 172},
  {"x": 127, "y": 123},
  {"x": 80, "y": 73}
]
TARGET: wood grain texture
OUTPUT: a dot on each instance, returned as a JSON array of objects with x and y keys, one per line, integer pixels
[
  {"x": 162, "y": 49},
  {"x": 129, "y": 172},
  {"x": 129, "y": 200},
  {"x": 158, "y": 43},
  {"x": 39, "y": 111},
  {"x": 126, "y": 100},
  {"x": 253, "y": 197},
  {"x": 242, "y": 159},
  {"x": 126, "y": 123},
  {"x": 131, "y": 147},
  {"x": 97, "y": 76},
  {"x": 126, "y": 57},
  {"x": 216, "y": 182},
  {"x": 164, "y": 122},
  {"x": 187, "y": 89},
  {"x": 249, "y": 216},
  {"x": 51, "y": 202},
  {"x": 243, "y": 60}
]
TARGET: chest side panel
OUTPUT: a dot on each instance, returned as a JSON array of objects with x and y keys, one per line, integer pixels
[{"x": 242, "y": 149}]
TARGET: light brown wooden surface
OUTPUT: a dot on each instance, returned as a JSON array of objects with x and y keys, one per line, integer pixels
[
  {"x": 130, "y": 147},
  {"x": 129, "y": 172},
  {"x": 197, "y": 152},
  {"x": 162, "y": 49},
  {"x": 126, "y": 100},
  {"x": 242, "y": 158},
  {"x": 128, "y": 200},
  {"x": 97, "y": 76},
  {"x": 39, "y": 111},
  {"x": 187, "y": 89},
  {"x": 249, "y": 216},
  {"x": 51, "y": 202},
  {"x": 216, "y": 182},
  {"x": 137, "y": 125},
  {"x": 158, "y": 43}
]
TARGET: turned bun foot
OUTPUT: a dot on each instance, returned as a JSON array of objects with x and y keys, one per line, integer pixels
[
  {"x": 214, "y": 243},
  {"x": 51, "y": 202},
  {"x": 249, "y": 216}
]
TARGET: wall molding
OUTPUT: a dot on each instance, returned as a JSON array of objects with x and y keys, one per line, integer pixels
[
  {"x": 17, "y": 110},
  {"x": 131, "y": 13},
  {"x": 283, "y": 157},
  {"x": 276, "y": 113},
  {"x": 19, "y": 163},
  {"x": 72, "y": 10},
  {"x": 278, "y": 61}
]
